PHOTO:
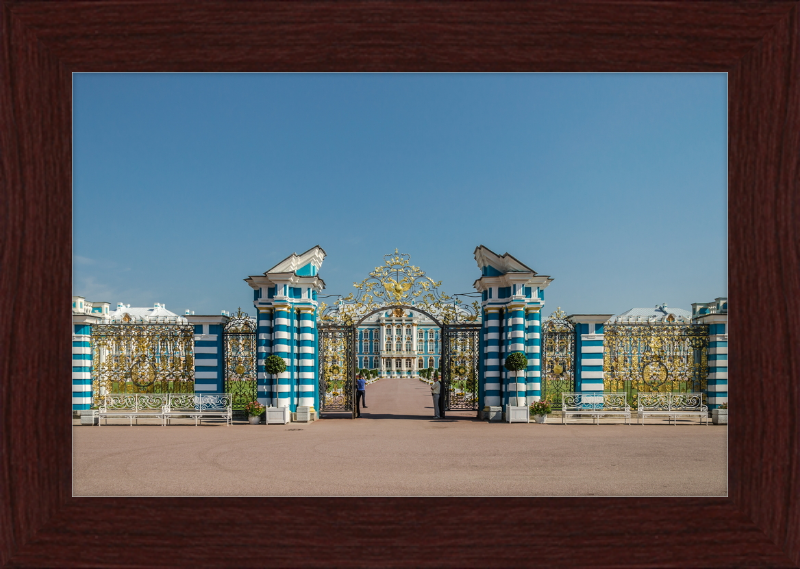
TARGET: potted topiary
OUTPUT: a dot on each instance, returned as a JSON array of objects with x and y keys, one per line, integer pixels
[
  {"x": 254, "y": 410},
  {"x": 274, "y": 365},
  {"x": 540, "y": 410},
  {"x": 516, "y": 362},
  {"x": 719, "y": 416}
]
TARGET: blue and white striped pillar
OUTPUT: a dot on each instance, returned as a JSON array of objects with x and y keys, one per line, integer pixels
[
  {"x": 81, "y": 364},
  {"x": 282, "y": 333},
  {"x": 717, "y": 390},
  {"x": 715, "y": 315},
  {"x": 517, "y": 381},
  {"x": 208, "y": 352},
  {"x": 307, "y": 358},
  {"x": 266, "y": 389},
  {"x": 533, "y": 349},
  {"x": 491, "y": 342},
  {"x": 589, "y": 350}
]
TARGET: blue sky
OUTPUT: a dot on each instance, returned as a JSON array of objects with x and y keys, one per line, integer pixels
[{"x": 615, "y": 185}]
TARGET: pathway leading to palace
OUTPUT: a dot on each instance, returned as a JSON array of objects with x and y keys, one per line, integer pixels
[{"x": 397, "y": 449}]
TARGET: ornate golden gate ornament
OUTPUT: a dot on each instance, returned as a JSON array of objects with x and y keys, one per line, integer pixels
[
  {"x": 558, "y": 357},
  {"x": 655, "y": 357},
  {"x": 398, "y": 283},
  {"x": 239, "y": 347},
  {"x": 134, "y": 357}
]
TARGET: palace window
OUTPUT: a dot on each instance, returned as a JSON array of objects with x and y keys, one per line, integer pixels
[
  {"x": 408, "y": 346},
  {"x": 419, "y": 335},
  {"x": 419, "y": 363},
  {"x": 397, "y": 364},
  {"x": 388, "y": 346},
  {"x": 408, "y": 364},
  {"x": 430, "y": 347},
  {"x": 430, "y": 362},
  {"x": 399, "y": 346},
  {"x": 375, "y": 346}
]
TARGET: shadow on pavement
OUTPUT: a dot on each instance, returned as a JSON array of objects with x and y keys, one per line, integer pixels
[{"x": 379, "y": 416}]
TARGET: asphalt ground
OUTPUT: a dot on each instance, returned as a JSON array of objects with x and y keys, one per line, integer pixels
[{"x": 396, "y": 448}]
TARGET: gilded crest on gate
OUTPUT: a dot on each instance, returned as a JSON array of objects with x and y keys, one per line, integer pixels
[{"x": 398, "y": 282}]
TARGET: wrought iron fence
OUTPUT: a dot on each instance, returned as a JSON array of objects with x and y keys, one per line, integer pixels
[
  {"x": 240, "y": 364},
  {"x": 134, "y": 357},
  {"x": 558, "y": 358},
  {"x": 660, "y": 357}
]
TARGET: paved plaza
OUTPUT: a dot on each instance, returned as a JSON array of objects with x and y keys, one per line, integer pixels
[{"x": 396, "y": 448}]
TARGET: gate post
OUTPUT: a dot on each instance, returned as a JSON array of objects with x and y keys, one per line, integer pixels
[
  {"x": 209, "y": 352},
  {"x": 263, "y": 350},
  {"x": 508, "y": 286},
  {"x": 715, "y": 314},
  {"x": 533, "y": 351},
  {"x": 84, "y": 315},
  {"x": 589, "y": 350},
  {"x": 286, "y": 299}
]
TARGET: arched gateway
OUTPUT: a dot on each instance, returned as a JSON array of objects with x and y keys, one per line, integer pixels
[{"x": 324, "y": 345}]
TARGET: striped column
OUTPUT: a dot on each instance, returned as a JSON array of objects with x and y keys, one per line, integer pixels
[
  {"x": 717, "y": 391},
  {"x": 533, "y": 349},
  {"x": 282, "y": 347},
  {"x": 81, "y": 367},
  {"x": 517, "y": 382},
  {"x": 491, "y": 342},
  {"x": 208, "y": 353},
  {"x": 307, "y": 357},
  {"x": 590, "y": 357},
  {"x": 266, "y": 391}
]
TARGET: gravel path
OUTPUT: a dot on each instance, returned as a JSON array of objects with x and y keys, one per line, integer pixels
[{"x": 396, "y": 448}]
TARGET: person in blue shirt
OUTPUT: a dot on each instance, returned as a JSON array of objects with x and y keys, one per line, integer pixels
[{"x": 361, "y": 391}]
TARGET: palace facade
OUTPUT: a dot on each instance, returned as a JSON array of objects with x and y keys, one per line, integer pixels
[{"x": 399, "y": 343}]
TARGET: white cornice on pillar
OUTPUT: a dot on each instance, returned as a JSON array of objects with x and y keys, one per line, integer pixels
[{"x": 196, "y": 319}]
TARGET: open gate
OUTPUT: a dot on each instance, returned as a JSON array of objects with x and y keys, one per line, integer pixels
[
  {"x": 337, "y": 368},
  {"x": 460, "y": 366}
]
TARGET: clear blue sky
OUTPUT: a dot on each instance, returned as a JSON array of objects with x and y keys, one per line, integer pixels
[{"x": 615, "y": 185}]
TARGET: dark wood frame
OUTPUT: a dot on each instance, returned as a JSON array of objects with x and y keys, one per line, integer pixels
[{"x": 755, "y": 42}]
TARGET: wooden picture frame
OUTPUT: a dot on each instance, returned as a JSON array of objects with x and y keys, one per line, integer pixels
[{"x": 756, "y": 43}]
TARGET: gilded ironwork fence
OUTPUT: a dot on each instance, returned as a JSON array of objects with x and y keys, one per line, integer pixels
[
  {"x": 134, "y": 357},
  {"x": 657, "y": 357},
  {"x": 239, "y": 348},
  {"x": 460, "y": 366},
  {"x": 558, "y": 358},
  {"x": 337, "y": 365}
]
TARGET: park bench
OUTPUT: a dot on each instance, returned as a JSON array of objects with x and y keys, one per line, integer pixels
[
  {"x": 596, "y": 404},
  {"x": 671, "y": 405},
  {"x": 131, "y": 406},
  {"x": 200, "y": 406},
  {"x": 165, "y": 406}
]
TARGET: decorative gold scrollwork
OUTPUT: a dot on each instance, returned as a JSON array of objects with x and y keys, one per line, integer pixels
[
  {"x": 142, "y": 358},
  {"x": 398, "y": 282},
  {"x": 655, "y": 357}
]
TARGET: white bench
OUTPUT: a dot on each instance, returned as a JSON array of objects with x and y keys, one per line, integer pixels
[
  {"x": 200, "y": 406},
  {"x": 596, "y": 404},
  {"x": 165, "y": 406},
  {"x": 131, "y": 406},
  {"x": 671, "y": 405}
]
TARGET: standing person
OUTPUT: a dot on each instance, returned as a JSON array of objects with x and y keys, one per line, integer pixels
[
  {"x": 436, "y": 388},
  {"x": 361, "y": 390}
]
